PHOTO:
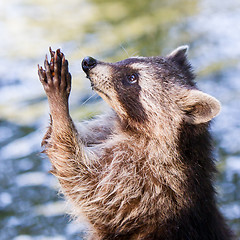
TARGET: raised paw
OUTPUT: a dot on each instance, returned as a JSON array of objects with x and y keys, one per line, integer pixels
[{"x": 55, "y": 78}]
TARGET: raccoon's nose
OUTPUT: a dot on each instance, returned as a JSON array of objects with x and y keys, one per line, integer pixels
[{"x": 88, "y": 63}]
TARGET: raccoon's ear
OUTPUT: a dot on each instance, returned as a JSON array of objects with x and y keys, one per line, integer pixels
[
  {"x": 179, "y": 55},
  {"x": 199, "y": 107}
]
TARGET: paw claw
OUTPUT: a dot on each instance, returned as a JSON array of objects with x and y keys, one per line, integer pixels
[
  {"x": 51, "y": 52},
  {"x": 42, "y": 75}
]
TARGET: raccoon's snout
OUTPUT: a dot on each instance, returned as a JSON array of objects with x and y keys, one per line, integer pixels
[{"x": 88, "y": 63}]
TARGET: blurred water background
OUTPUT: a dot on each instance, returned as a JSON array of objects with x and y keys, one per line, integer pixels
[{"x": 30, "y": 207}]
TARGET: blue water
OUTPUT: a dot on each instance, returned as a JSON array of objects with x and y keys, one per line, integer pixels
[{"x": 30, "y": 206}]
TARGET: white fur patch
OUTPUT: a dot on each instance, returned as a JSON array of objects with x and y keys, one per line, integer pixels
[{"x": 138, "y": 66}]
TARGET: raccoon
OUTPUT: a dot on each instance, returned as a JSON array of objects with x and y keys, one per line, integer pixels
[{"x": 144, "y": 170}]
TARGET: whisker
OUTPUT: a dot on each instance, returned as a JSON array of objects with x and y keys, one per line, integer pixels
[
  {"x": 124, "y": 50},
  {"x": 94, "y": 94},
  {"x": 134, "y": 54}
]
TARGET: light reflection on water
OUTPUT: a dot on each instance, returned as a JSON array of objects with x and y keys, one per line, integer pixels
[{"x": 29, "y": 205}]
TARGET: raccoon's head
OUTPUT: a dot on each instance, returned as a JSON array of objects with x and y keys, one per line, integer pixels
[{"x": 153, "y": 90}]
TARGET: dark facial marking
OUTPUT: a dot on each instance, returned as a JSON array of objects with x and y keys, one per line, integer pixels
[{"x": 125, "y": 81}]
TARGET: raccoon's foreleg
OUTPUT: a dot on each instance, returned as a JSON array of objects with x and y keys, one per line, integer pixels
[{"x": 73, "y": 163}]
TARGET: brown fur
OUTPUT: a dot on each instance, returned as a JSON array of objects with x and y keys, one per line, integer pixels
[{"x": 144, "y": 170}]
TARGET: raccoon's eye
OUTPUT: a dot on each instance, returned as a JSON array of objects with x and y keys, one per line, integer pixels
[{"x": 132, "y": 78}]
